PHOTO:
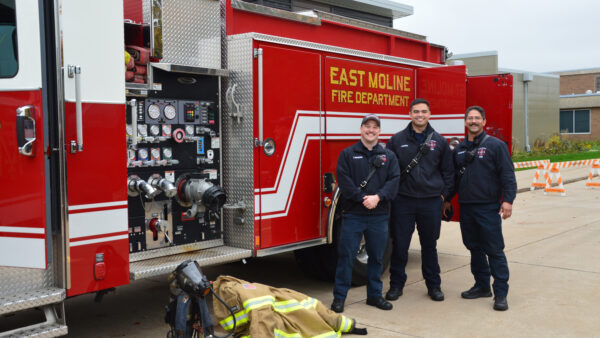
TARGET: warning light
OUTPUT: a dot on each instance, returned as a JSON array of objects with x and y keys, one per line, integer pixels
[{"x": 327, "y": 202}]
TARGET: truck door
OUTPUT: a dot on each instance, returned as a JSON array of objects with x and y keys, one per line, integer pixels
[
  {"x": 23, "y": 198},
  {"x": 94, "y": 93},
  {"x": 494, "y": 93},
  {"x": 290, "y": 185}
]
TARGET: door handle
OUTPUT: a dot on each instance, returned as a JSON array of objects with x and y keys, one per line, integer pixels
[
  {"x": 26, "y": 130},
  {"x": 75, "y": 72}
]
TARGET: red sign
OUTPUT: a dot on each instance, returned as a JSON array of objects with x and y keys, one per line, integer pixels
[{"x": 353, "y": 86}]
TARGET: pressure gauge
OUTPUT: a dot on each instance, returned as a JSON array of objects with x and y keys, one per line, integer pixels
[
  {"x": 155, "y": 154},
  {"x": 131, "y": 155},
  {"x": 166, "y": 130},
  {"x": 154, "y": 130},
  {"x": 129, "y": 130},
  {"x": 143, "y": 130},
  {"x": 167, "y": 153},
  {"x": 153, "y": 111},
  {"x": 170, "y": 112},
  {"x": 143, "y": 154},
  {"x": 189, "y": 130}
]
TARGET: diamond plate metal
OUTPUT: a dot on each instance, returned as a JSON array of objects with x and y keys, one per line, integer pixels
[
  {"x": 49, "y": 330},
  {"x": 192, "y": 32},
  {"x": 238, "y": 150},
  {"x": 332, "y": 49},
  {"x": 143, "y": 255},
  {"x": 163, "y": 265},
  {"x": 31, "y": 299},
  {"x": 21, "y": 280}
]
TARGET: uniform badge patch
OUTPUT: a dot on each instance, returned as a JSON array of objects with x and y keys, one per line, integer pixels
[
  {"x": 249, "y": 286},
  {"x": 481, "y": 152},
  {"x": 432, "y": 144}
]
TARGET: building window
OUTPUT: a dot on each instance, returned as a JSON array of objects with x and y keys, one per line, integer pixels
[
  {"x": 9, "y": 64},
  {"x": 575, "y": 121},
  {"x": 598, "y": 83}
]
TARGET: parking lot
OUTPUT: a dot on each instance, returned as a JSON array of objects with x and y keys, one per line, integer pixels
[{"x": 553, "y": 249}]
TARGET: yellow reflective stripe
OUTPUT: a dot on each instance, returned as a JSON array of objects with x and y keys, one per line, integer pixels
[
  {"x": 282, "y": 334},
  {"x": 242, "y": 315},
  {"x": 284, "y": 306},
  {"x": 329, "y": 334},
  {"x": 346, "y": 324}
]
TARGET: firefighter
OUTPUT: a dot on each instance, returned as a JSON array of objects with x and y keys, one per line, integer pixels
[
  {"x": 368, "y": 177},
  {"x": 487, "y": 187},
  {"x": 427, "y": 177}
]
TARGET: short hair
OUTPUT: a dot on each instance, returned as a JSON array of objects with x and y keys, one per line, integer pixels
[
  {"x": 418, "y": 101},
  {"x": 477, "y": 108}
]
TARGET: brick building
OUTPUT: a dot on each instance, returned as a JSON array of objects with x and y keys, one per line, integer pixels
[{"x": 580, "y": 104}]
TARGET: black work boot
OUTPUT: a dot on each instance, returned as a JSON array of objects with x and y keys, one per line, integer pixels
[
  {"x": 337, "y": 305},
  {"x": 476, "y": 292},
  {"x": 379, "y": 303},
  {"x": 500, "y": 303},
  {"x": 436, "y": 294},
  {"x": 393, "y": 293}
]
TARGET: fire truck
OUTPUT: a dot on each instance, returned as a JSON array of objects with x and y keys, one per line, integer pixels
[{"x": 137, "y": 134}]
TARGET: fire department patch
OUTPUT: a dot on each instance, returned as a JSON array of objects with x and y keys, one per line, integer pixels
[
  {"x": 432, "y": 144},
  {"x": 249, "y": 286},
  {"x": 383, "y": 158},
  {"x": 481, "y": 152}
]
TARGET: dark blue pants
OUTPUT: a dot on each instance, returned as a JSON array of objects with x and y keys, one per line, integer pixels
[
  {"x": 375, "y": 230},
  {"x": 427, "y": 214},
  {"x": 481, "y": 228}
]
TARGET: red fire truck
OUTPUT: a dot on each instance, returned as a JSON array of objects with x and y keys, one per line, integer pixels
[{"x": 215, "y": 138}]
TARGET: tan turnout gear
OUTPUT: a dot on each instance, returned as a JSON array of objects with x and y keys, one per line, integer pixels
[{"x": 265, "y": 311}]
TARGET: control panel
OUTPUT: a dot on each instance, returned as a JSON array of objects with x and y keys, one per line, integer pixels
[{"x": 173, "y": 166}]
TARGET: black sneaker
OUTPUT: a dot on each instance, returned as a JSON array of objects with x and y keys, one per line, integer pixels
[
  {"x": 380, "y": 303},
  {"x": 436, "y": 294},
  {"x": 500, "y": 303},
  {"x": 476, "y": 292},
  {"x": 393, "y": 293},
  {"x": 337, "y": 305}
]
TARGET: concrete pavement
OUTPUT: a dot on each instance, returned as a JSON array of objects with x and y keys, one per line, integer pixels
[{"x": 553, "y": 249}]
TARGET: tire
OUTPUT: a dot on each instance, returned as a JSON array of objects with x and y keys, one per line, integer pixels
[{"x": 320, "y": 262}]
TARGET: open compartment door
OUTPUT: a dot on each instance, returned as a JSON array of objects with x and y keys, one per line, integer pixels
[
  {"x": 494, "y": 93},
  {"x": 23, "y": 162}
]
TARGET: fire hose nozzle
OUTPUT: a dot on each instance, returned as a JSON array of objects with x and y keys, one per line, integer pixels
[{"x": 136, "y": 185}]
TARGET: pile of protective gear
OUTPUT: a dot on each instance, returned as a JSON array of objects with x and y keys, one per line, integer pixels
[{"x": 264, "y": 311}]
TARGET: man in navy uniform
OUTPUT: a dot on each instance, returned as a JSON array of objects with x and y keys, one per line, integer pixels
[
  {"x": 427, "y": 177},
  {"x": 487, "y": 187},
  {"x": 368, "y": 177}
]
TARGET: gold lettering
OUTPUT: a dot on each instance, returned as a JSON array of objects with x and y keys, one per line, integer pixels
[{"x": 332, "y": 74}]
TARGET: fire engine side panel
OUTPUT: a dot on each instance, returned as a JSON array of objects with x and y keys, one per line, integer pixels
[
  {"x": 290, "y": 178},
  {"x": 238, "y": 149},
  {"x": 97, "y": 175},
  {"x": 332, "y": 33}
]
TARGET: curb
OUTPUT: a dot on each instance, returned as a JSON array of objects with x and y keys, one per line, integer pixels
[{"x": 571, "y": 180}]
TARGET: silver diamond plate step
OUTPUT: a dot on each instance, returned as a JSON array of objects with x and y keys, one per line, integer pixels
[
  {"x": 30, "y": 299},
  {"x": 162, "y": 265},
  {"x": 49, "y": 330}
]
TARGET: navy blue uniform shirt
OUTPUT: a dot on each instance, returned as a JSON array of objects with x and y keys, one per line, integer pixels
[
  {"x": 354, "y": 165},
  {"x": 490, "y": 177},
  {"x": 434, "y": 176}
]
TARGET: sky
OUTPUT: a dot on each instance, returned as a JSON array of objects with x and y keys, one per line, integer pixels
[{"x": 530, "y": 35}]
